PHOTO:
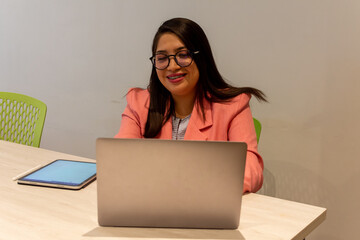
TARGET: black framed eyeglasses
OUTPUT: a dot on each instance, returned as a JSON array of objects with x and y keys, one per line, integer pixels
[{"x": 182, "y": 58}]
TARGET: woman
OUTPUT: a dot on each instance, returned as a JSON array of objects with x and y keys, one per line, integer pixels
[{"x": 188, "y": 99}]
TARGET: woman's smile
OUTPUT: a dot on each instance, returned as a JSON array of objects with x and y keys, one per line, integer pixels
[{"x": 176, "y": 77}]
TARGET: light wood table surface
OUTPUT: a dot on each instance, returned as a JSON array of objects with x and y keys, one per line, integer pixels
[{"x": 29, "y": 212}]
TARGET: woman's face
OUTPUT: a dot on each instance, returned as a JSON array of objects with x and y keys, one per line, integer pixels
[{"x": 179, "y": 81}]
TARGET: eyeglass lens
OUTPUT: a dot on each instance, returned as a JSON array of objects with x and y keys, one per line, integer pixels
[{"x": 182, "y": 58}]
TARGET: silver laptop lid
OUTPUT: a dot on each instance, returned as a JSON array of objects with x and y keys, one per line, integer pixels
[{"x": 167, "y": 183}]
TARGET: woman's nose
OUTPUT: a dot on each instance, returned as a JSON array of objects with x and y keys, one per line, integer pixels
[{"x": 172, "y": 64}]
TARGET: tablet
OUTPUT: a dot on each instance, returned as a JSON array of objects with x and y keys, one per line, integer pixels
[{"x": 61, "y": 173}]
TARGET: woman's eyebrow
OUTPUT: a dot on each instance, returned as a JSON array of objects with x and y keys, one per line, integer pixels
[
  {"x": 180, "y": 48},
  {"x": 176, "y": 50}
]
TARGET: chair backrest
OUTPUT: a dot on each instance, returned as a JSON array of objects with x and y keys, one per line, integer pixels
[
  {"x": 257, "y": 128},
  {"x": 21, "y": 118}
]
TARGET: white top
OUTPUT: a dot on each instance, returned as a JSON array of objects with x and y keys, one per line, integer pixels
[{"x": 179, "y": 126}]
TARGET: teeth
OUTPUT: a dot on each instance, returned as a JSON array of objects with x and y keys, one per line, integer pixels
[{"x": 175, "y": 77}]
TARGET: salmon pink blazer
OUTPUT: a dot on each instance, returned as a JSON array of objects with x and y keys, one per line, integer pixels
[{"x": 226, "y": 121}]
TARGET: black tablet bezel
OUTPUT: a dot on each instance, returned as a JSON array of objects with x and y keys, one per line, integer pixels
[{"x": 56, "y": 185}]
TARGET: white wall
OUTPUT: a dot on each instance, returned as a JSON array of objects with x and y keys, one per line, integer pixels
[{"x": 80, "y": 57}]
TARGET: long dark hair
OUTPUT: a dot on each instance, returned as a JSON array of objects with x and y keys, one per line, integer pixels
[{"x": 211, "y": 85}]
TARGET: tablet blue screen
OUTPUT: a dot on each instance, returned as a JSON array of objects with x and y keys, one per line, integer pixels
[{"x": 64, "y": 172}]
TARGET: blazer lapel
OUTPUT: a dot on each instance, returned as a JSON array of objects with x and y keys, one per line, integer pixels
[
  {"x": 196, "y": 126},
  {"x": 166, "y": 130}
]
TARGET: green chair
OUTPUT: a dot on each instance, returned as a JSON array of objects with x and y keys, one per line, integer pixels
[
  {"x": 21, "y": 119},
  {"x": 257, "y": 125}
]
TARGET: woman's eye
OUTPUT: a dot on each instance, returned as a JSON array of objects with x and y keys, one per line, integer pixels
[
  {"x": 161, "y": 58},
  {"x": 183, "y": 55}
]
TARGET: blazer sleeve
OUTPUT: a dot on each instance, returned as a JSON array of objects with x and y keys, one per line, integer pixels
[
  {"x": 242, "y": 129},
  {"x": 132, "y": 122}
]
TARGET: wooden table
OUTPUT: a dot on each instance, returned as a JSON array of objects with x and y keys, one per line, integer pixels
[{"x": 28, "y": 212}]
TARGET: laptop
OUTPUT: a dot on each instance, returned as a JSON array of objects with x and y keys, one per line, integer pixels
[{"x": 167, "y": 183}]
